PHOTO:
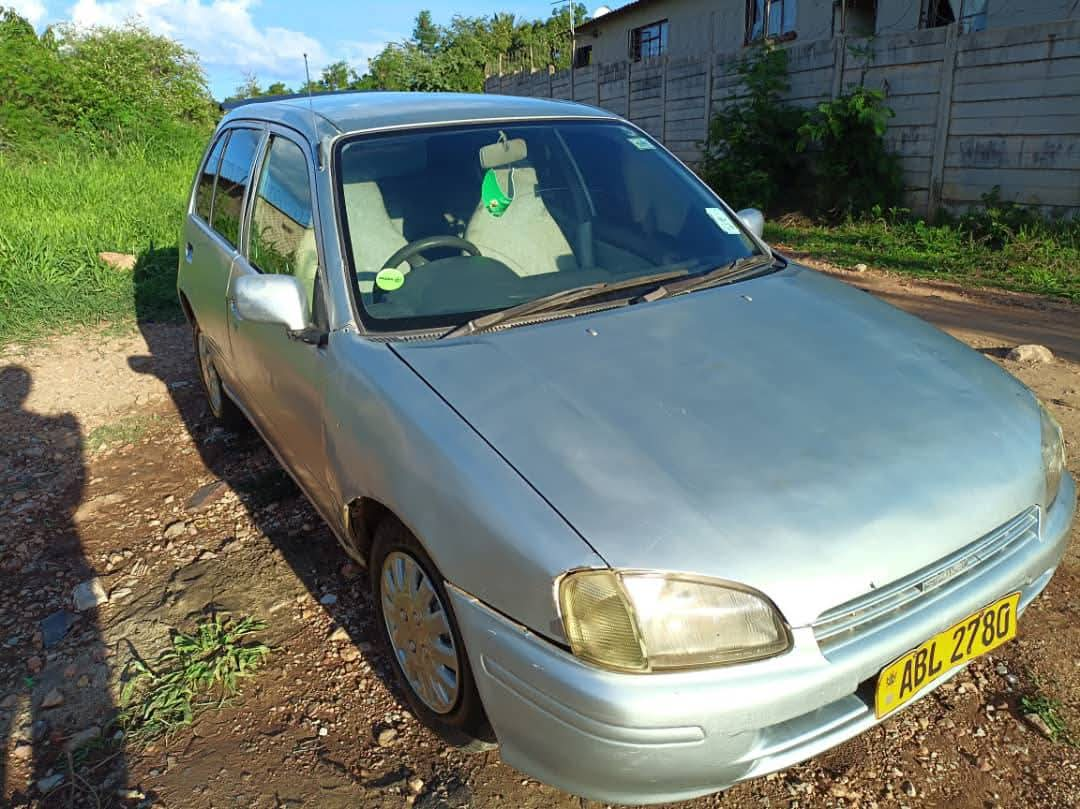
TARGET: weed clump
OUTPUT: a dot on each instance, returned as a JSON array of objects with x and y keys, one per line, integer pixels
[{"x": 199, "y": 671}]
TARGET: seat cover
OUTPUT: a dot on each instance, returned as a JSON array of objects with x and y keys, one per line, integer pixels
[
  {"x": 373, "y": 234},
  {"x": 525, "y": 238}
]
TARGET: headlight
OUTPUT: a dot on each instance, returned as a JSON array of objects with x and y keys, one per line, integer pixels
[
  {"x": 652, "y": 621},
  {"x": 1053, "y": 454}
]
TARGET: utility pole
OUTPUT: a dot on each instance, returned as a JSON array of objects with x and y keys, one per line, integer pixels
[{"x": 573, "y": 41}]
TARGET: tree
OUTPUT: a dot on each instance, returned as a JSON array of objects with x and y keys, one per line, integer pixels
[
  {"x": 248, "y": 88},
  {"x": 426, "y": 34},
  {"x": 278, "y": 88},
  {"x": 335, "y": 76},
  {"x": 459, "y": 56}
]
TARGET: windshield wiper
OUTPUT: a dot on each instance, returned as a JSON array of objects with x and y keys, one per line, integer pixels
[
  {"x": 726, "y": 273},
  {"x": 557, "y": 300}
]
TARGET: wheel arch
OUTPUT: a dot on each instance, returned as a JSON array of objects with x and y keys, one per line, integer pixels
[{"x": 361, "y": 517}]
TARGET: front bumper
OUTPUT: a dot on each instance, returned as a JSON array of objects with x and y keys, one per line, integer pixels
[{"x": 632, "y": 738}]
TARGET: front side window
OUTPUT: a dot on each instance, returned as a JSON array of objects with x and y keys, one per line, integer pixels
[
  {"x": 769, "y": 19},
  {"x": 648, "y": 41},
  {"x": 233, "y": 178},
  {"x": 204, "y": 191},
  {"x": 282, "y": 221},
  {"x": 442, "y": 225}
]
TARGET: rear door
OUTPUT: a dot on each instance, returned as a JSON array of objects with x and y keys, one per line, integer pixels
[
  {"x": 284, "y": 377},
  {"x": 212, "y": 235}
]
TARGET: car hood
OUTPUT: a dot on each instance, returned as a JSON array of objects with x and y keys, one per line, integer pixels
[{"x": 788, "y": 432}]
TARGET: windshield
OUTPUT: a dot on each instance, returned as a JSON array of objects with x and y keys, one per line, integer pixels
[{"x": 446, "y": 224}]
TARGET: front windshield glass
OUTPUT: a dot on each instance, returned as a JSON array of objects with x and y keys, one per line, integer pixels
[{"x": 447, "y": 224}]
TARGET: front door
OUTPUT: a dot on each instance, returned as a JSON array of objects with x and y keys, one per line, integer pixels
[{"x": 284, "y": 378}]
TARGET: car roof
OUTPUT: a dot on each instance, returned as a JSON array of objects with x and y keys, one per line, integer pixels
[{"x": 334, "y": 113}]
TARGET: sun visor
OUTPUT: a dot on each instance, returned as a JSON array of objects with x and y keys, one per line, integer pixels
[{"x": 503, "y": 153}]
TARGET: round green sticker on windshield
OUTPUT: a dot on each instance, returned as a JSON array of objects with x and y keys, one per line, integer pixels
[{"x": 389, "y": 279}]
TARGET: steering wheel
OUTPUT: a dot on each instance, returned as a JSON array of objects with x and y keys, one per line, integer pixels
[{"x": 411, "y": 252}]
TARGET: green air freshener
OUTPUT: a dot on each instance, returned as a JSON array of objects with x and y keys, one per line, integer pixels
[{"x": 495, "y": 201}]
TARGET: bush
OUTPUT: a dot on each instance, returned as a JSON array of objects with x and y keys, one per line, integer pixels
[
  {"x": 853, "y": 171},
  {"x": 832, "y": 160},
  {"x": 106, "y": 85},
  {"x": 750, "y": 155}
]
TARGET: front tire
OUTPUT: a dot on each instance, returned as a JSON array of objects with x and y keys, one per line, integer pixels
[
  {"x": 221, "y": 406},
  {"x": 418, "y": 628}
]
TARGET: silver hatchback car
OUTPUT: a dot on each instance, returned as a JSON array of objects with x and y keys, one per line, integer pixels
[{"x": 658, "y": 508}]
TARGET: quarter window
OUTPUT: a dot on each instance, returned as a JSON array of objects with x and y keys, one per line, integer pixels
[
  {"x": 282, "y": 222},
  {"x": 204, "y": 192},
  {"x": 233, "y": 179},
  {"x": 648, "y": 41}
]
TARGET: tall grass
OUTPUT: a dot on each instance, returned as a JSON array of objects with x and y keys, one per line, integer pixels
[
  {"x": 71, "y": 200},
  {"x": 1026, "y": 255}
]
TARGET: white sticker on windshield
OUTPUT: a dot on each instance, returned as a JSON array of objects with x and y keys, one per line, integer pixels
[
  {"x": 641, "y": 143},
  {"x": 723, "y": 221}
]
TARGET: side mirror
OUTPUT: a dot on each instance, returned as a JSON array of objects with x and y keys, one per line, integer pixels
[
  {"x": 753, "y": 219},
  {"x": 277, "y": 299}
]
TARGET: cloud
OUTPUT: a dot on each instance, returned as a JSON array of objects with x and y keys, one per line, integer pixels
[
  {"x": 32, "y": 10},
  {"x": 222, "y": 32},
  {"x": 358, "y": 52}
]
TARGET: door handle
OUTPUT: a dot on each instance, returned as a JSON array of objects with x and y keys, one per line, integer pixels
[{"x": 189, "y": 252}]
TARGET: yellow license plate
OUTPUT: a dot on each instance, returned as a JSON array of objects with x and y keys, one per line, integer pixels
[{"x": 902, "y": 680}]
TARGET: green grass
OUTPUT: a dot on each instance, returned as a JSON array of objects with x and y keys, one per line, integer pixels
[
  {"x": 125, "y": 431},
  {"x": 199, "y": 671},
  {"x": 1049, "y": 710},
  {"x": 1031, "y": 257},
  {"x": 58, "y": 212}
]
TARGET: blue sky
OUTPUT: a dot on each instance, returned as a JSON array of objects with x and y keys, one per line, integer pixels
[{"x": 267, "y": 37}]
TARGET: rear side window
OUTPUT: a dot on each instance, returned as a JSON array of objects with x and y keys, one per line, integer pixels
[
  {"x": 204, "y": 193},
  {"x": 233, "y": 178}
]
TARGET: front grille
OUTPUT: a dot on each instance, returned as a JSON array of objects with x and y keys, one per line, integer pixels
[{"x": 868, "y": 613}]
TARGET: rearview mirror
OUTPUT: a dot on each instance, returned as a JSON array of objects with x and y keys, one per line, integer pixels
[
  {"x": 277, "y": 299},
  {"x": 753, "y": 219}
]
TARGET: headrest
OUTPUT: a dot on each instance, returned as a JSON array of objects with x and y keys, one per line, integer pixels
[{"x": 503, "y": 153}]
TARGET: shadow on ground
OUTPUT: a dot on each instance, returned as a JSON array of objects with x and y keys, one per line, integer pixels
[{"x": 58, "y": 721}]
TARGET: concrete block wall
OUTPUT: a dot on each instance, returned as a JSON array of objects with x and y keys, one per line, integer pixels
[{"x": 994, "y": 108}]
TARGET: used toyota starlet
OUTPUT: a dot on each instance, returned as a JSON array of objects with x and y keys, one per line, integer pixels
[{"x": 650, "y": 505}]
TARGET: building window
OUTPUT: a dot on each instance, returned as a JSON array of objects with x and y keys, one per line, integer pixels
[
  {"x": 855, "y": 17},
  {"x": 648, "y": 41},
  {"x": 970, "y": 14},
  {"x": 583, "y": 56},
  {"x": 770, "y": 19}
]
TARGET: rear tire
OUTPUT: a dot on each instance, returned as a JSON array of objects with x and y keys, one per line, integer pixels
[
  {"x": 221, "y": 406},
  {"x": 420, "y": 633}
]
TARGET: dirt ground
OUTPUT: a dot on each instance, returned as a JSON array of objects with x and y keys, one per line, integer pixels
[{"x": 111, "y": 467}]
